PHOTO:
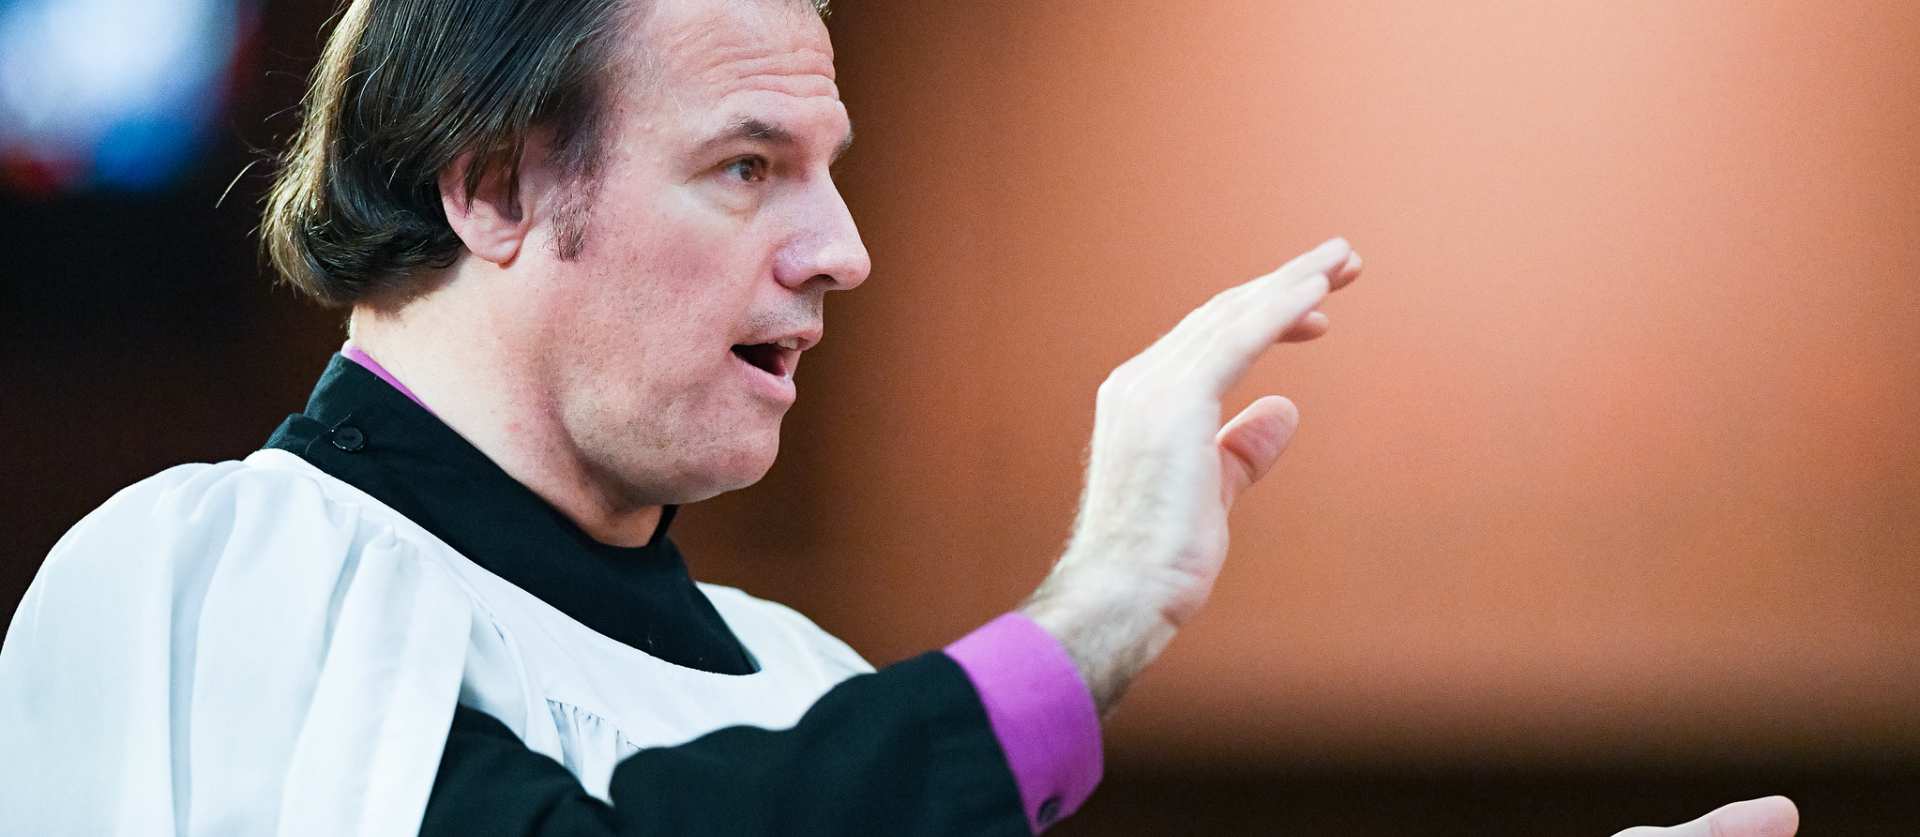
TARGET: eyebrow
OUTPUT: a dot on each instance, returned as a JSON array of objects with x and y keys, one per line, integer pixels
[{"x": 757, "y": 130}]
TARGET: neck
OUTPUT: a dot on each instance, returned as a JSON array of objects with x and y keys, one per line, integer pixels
[{"x": 455, "y": 358}]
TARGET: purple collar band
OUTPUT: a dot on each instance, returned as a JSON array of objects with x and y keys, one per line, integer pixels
[{"x": 353, "y": 353}]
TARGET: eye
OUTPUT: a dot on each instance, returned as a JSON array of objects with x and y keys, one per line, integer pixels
[{"x": 748, "y": 169}]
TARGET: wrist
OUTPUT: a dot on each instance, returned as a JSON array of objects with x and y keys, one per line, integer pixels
[{"x": 1111, "y": 629}]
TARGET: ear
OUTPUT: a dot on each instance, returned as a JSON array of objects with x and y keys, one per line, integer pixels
[{"x": 492, "y": 223}]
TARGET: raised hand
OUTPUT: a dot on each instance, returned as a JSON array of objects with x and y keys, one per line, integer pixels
[
  {"x": 1774, "y": 816},
  {"x": 1163, "y": 473}
]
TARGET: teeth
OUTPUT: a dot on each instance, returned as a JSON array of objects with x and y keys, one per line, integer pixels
[{"x": 790, "y": 344}]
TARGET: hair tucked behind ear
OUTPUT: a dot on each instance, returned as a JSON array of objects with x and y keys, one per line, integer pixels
[
  {"x": 406, "y": 87},
  {"x": 403, "y": 89}
]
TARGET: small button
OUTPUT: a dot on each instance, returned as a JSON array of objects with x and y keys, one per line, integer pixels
[
  {"x": 1049, "y": 811},
  {"x": 348, "y": 438}
]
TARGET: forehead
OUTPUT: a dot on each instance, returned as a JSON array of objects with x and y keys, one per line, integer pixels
[{"x": 712, "y": 55}]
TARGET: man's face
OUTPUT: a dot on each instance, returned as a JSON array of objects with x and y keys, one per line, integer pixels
[{"x": 715, "y": 234}]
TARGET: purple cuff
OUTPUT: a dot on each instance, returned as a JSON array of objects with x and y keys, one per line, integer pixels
[
  {"x": 353, "y": 353},
  {"x": 1039, "y": 709}
]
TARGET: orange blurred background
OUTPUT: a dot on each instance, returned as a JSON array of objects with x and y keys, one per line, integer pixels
[
  {"x": 1612, "y": 449},
  {"x": 1605, "y": 506}
]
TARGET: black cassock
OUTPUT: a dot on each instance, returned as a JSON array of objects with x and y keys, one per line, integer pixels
[{"x": 906, "y": 750}]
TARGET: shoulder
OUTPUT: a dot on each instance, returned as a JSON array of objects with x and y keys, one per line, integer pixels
[
  {"x": 271, "y": 494},
  {"x": 263, "y": 523},
  {"x": 750, "y": 615},
  {"x": 239, "y": 556},
  {"x": 195, "y": 506},
  {"x": 199, "y": 494}
]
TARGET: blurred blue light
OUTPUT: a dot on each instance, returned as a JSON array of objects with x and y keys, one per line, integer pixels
[{"x": 110, "y": 94}]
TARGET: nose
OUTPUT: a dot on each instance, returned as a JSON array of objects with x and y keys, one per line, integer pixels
[{"x": 825, "y": 249}]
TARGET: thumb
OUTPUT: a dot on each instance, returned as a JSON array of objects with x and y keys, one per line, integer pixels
[
  {"x": 1252, "y": 441},
  {"x": 1774, "y": 816}
]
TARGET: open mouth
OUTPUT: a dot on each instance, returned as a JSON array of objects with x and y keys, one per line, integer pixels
[{"x": 770, "y": 358}]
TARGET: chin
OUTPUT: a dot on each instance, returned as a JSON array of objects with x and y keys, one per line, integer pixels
[{"x": 730, "y": 468}]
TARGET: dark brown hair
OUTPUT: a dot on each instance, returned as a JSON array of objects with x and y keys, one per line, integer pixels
[{"x": 403, "y": 89}]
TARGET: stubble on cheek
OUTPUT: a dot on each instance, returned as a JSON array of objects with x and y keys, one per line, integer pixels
[{"x": 657, "y": 404}]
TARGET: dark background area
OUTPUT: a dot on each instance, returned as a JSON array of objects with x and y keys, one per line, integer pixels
[{"x": 1045, "y": 185}]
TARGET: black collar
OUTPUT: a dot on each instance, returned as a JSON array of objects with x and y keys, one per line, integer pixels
[{"x": 361, "y": 430}]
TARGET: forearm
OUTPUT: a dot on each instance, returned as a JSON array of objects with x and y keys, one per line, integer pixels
[{"x": 908, "y": 750}]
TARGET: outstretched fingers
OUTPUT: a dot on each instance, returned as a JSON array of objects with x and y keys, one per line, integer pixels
[
  {"x": 1348, "y": 271},
  {"x": 1217, "y": 345},
  {"x": 1315, "y": 324},
  {"x": 1224, "y": 355},
  {"x": 1310, "y": 327}
]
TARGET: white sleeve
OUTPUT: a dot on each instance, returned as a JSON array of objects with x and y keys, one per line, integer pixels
[{"x": 222, "y": 649}]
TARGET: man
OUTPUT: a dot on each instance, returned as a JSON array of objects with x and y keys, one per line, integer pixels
[{"x": 585, "y": 244}]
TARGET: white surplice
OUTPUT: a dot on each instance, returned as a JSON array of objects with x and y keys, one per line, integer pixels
[{"x": 256, "y": 647}]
